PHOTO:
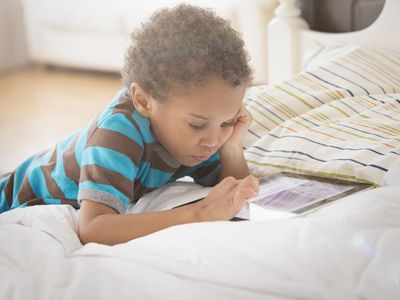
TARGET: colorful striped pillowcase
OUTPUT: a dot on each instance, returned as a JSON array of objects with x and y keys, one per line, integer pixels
[{"x": 339, "y": 119}]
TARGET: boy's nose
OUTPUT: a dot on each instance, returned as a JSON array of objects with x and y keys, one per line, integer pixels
[{"x": 210, "y": 140}]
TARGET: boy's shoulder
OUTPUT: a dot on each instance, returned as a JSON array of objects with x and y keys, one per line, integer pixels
[{"x": 121, "y": 117}]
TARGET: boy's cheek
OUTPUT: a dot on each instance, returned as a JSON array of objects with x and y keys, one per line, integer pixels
[{"x": 229, "y": 133}]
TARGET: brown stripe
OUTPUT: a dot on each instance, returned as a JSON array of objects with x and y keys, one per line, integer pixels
[
  {"x": 118, "y": 142},
  {"x": 40, "y": 201},
  {"x": 98, "y": 174},
  {"x": 92, "y": 127},
  {"x": 73, "y": 203},
  {"x": 140, "y": 190},
  {"x": 52, "y": 186},
  {"x": 149, "y": 155},
  {"x": 25, "y": 192},
  {"x": 36, "y": 201},
  {"x": 134, "y": 122},
  {"x": 155, "y": 160},
  {"x": 205, "y": 170},
  {"x": 9, "y": 190},
  {"x": 71, "y": 167},
  {"x": 124, "y": 106}
]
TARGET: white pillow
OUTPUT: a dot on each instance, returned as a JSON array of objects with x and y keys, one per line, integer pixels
[{"x": 393, "y": 174}]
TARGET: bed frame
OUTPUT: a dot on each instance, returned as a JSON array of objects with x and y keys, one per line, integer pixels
[{"x": 289, "y": 37}]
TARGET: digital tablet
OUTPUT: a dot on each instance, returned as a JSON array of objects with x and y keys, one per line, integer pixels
[{"x": 295, "y": 193}]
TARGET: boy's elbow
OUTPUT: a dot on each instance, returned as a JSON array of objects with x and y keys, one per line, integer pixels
[
  {"x": 91, "y": 225},
  {"x": 90, "y": 233},
  {"x": 86, "y": 234}
]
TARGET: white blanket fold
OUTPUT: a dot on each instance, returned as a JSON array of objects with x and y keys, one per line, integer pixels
[{"x": 344, "y": 251}]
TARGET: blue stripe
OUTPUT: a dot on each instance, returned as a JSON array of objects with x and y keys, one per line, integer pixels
[
  {"x": 385, "y": 115},
  {"x": 3, "y": 201},
  {"x": 253, "y": 133},
  {"x": 321, "y": 160},
  {"x": 144, "y": 124},
  {"x": 20, "y": 174},
  {"x": 152, "y": 178},
  {"x": 321, "y": 144},
  {"x": 110, "y": 159},
  {"x": 31, "y": 168},
  {"x": 394, "y": 98},
  {"x": 344, "y": 78},
  {"x": 330, "y": 83},
  {"x": 38, "y": 183},
  {"x": 360, "y": 75},
  {"x": 277, "y": 156},
  {"x": 307, "y": 120},
  {"x": 351, "y": 108},
  {"x": 304, "y": 92},
  {"x": 376, "y": 67},
  {"x": 271, "y": 112},
  {"x": 123, "y": 125},
  {"x": 81, "y": 144},
  {"x": 359, "y": 130},
  {"x": 66, "y": 185},
  {"x": 268, "y": 110},
  {"x": 291, "y": 152},
  {"x": 378, "y": 100}
]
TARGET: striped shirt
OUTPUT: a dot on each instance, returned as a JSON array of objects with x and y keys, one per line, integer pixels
[{"x": 114, "y": 160}]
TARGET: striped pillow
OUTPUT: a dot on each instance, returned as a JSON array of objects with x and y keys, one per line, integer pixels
[{"x": 339, "y": 119}]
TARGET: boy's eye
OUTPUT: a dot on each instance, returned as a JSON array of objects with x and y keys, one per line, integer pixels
[{"x": 197, "y": 127}]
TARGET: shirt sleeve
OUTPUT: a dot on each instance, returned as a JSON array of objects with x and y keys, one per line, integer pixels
[{"x": 110, "y": 163}]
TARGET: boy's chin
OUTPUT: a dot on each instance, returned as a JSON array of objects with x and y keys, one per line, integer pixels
[{"x": 190, "y": 162}]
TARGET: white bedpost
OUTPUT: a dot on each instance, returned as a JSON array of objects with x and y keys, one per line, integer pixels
[{"x": 284, "y": 58}]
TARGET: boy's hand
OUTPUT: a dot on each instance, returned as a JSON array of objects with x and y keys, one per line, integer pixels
[
  {"x": 240, "y": 128},
  {"x": 227, "y": 198}
]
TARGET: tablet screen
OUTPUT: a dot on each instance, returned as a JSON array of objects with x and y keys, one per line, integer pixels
[{"x": 298, "y": 193}]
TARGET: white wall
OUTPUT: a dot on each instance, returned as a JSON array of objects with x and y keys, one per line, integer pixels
[{"x": 12, "y": 40}]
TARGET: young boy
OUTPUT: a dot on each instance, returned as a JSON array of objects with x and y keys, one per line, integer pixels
[{"x": 181, "y": 115}]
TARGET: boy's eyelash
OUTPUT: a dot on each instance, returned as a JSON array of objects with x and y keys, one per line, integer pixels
[{"x": 197, "y": 127}]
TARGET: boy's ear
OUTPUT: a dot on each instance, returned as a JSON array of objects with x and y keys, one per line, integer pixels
[{"x": 141, "y": 99}]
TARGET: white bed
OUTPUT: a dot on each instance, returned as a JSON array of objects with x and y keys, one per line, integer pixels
[{"x": 339, "y": 117}]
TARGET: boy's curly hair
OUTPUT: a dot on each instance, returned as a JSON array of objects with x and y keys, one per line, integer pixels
[{"x": 180, "y": 48}]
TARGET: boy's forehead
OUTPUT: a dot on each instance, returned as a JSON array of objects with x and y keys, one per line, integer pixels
[
  {"x": 206, "y": 116},
  {"x": 207, "y": 109}
]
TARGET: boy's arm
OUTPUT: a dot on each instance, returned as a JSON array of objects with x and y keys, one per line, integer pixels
[
  {"x": 231, "y": 153},
  {"x": 100, "y": 223},
  {"x": 233, "y": 163}
]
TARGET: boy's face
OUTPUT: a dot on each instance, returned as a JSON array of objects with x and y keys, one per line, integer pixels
[{"x": 194, "y": 127}]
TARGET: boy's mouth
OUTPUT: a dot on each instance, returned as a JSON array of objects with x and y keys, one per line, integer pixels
[{"x": 201, "y": 157}]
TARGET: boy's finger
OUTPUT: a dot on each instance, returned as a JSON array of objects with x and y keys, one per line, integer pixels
[
  {"x": 228, "y": 183},
  {"x": 250, "y": 181},
  {"x": 244, "y": 194}
]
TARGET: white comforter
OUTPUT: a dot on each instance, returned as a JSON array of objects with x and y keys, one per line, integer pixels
[{"x": 349, "y": 250}]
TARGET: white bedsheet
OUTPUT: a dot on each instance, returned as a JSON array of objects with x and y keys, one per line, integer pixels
[{"x": 349, "y": 250}]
